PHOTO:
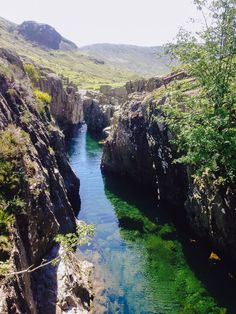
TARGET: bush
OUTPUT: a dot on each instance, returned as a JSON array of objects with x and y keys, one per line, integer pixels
[
  {"x": 44, "y": 97},
  {"x": 42, "y": 100},
  {"x": 205, "y": 123},
  {"x": 13, "y": 143},
  {"x": 32, "y": 72}
]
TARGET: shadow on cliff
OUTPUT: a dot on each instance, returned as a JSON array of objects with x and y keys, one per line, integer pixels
[
  {"x": 45, "y": 280},
  {"x": 216, "y": 276}
]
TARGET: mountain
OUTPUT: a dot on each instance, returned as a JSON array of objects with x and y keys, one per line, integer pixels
[
  {"x": 145, "y": 61},
  {"x": 88, "y": 67},
  {"x": 85, "y": 71},
  {"x": 45, "y": 35}
]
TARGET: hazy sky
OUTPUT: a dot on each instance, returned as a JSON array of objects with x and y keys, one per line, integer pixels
[{"x": 141, "y": 22}]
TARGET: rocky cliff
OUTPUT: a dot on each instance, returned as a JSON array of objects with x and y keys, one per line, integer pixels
[
  {"x": 139, "y": 147},
  {"x": 66, "y": 103},
  {"x": 211, "y": 212},
  {"x": 100, "y": 106},
  {"x": 71, "y": 107},
  {"x": 45, "y": 36},
  {"x": 39, "y": 198}
]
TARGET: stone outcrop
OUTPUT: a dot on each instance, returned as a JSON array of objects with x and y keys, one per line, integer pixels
[
  {"x": 135, "y": 141},
  {"x": 50, "y": 192},
  {"x": 143, "y": 85},
  {"x": 139, "y": 147},
  {"x": 68, "y": 284},
  {"x": 100, "y": 106},
  {"x": 66, "y": 104},
  {"x": 152, "y": 83},
  {"x": 44, "y": 35},
  {"x": 71, "y": 107},
  {"x": 211, "y": 212}
]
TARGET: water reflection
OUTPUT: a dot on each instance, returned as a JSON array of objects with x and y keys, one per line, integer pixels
[{"x": 144, "y": 263}]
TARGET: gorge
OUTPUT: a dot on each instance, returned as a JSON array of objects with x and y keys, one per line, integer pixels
[
  {"x": 144, "y": 261},
  {"x": 100, "y": 151}
]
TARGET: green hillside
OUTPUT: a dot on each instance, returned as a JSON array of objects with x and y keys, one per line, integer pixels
[
  {"x": 145, "y": 61},
  {"x": 83, "y": 70}
]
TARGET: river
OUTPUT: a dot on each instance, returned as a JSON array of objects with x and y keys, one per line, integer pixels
[{"x": 143, "y": 263}]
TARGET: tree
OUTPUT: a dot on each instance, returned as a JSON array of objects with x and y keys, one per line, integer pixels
[{"x": 204, "y": 124}]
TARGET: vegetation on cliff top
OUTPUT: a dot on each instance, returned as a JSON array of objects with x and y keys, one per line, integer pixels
[{"x": 205, "y": 123}]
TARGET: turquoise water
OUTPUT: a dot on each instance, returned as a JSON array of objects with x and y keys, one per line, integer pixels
[{"x": 142, "y": 263}]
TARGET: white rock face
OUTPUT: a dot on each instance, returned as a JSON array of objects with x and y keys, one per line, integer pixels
[
  {"x": 67, "y": 286},
  {"x": 74, "y": 285}
]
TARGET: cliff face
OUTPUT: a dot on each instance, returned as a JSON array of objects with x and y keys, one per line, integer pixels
[
  {"x": 139, "y": 147},
  {"x": 48, "y": 189},
  {"x": 44, "y": 35},
  {"x": 71, "y": 107},
  {"x": 66, "y": 104},
  {"x": 211, "y": 212},
  {"x": 99, "y": 107}
]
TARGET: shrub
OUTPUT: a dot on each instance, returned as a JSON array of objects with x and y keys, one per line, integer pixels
[
  {"x": 83, "y": 235},
  {"x": 42, "y": 100},
  {"x": 13, "y": 143},
  {"x": 205, "y": 124},
  {"x": 32, "y": 72},
  {"x": 44, "y": 97}
]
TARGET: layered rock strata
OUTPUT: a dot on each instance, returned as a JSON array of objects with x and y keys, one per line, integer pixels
[
  {"x": 66, "y": 104},
  {"x": 48, "y": 193}
]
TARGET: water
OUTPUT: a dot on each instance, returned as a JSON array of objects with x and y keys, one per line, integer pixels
[{"x": 142, "y": 263}]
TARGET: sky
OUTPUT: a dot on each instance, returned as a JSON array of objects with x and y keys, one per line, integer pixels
[{"x": 139, "y": 22}]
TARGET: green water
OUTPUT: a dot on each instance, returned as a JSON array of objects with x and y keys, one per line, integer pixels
[{"x": 143, "y": 263}]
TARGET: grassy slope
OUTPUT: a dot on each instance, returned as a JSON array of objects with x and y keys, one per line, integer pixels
[
  {"x": 75, "y": 65},
  {"x": 145, "y": 61}
]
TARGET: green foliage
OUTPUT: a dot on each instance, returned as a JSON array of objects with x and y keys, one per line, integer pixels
[
  {"x": 32, "y": 72},
  {"x": 4, "y": 267},
  {"x": 4, "y": 243},
  {"x": 11, "y": 92},
  {"x": 41, "y": 96},
  {"x": 204, "y": 123},
  {"x": 6, "y": 219},
  {"x": 42, "y": 100},
  {"x": 83, "y": 235},
  {"x": 12, "y": 147},
  {"x": 13, "y": 142},
  {"x": 75, "y": 65}
]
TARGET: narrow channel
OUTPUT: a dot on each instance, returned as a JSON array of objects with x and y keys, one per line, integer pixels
[{"x": 142, "y": 262}]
